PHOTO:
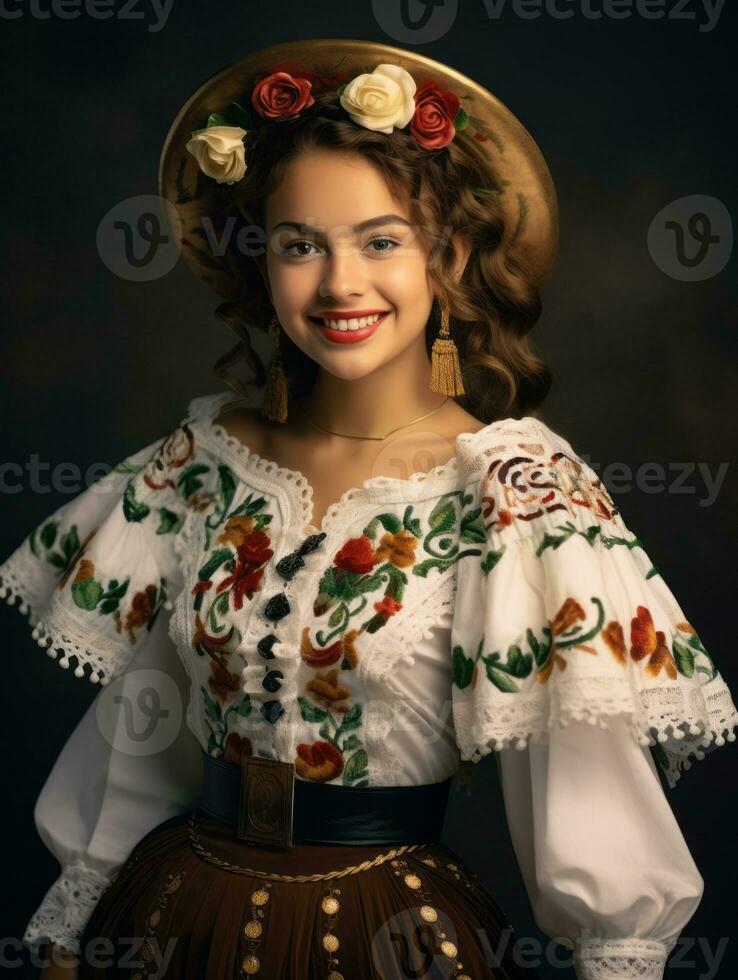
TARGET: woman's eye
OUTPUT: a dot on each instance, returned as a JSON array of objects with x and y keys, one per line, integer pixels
[
  {"x": 391, "y": 241},
  {"x": 288, "y": 248},
  {"x": 304, "y": 242}
]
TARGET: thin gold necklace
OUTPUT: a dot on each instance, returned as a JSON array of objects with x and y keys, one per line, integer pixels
[{"x": 376, "y": 438}]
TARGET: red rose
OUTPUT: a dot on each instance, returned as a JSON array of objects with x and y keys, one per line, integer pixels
[
  {"x": 280, "y": 96},
  {"x": 435, "y": 112}
]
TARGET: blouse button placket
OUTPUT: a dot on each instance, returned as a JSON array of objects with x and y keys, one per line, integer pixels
[{"x": 276, "y": 608}]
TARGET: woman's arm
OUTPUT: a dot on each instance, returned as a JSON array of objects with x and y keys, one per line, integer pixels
[
  {"x": 602, "y": 856},
  {"x": 130, "y": 764}
]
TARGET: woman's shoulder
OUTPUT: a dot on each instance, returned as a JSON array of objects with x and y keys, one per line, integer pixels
[
  {"x": 206, "y": 408},
  {"x": 231, "y": 418},
  {"x": 507, "y": 438},
  {"x": 529, "y": 476}
]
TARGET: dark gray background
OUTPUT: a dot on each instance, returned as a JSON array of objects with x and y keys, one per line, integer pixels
[{"x": 630, "y": 114}]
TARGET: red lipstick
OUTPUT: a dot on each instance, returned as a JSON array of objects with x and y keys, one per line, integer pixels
[{"x": 349, "y": 336}]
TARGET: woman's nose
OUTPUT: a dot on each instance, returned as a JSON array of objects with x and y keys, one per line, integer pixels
[{"x": 344, "y": 273}]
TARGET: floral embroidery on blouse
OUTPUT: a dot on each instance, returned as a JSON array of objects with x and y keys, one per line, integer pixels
[
  {"x": 159, "y": 493},
  {"x": 242, "y": 550},
  {"x": 542, "y": 500},
  {"x": 368, "y": 579},
  {"x": 565, "y": 632},
  {"x": 109, "y": 597},
  {"x": 554, "y": 602},
  {"x": 525, "y": 488}
]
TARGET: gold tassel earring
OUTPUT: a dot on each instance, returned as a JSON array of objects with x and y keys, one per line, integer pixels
[
  {"x": 275, "y": 397},
  {"x": 445, "y": 370}
]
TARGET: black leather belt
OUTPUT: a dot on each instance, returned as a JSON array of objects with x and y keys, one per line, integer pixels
[{"x": 269, "y": 807}]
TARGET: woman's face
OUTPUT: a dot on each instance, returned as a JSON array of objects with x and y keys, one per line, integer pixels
[{"x": 324, "y": 262}]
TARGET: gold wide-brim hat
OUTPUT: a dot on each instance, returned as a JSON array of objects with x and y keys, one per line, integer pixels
[{"x": 528, "y": 196}]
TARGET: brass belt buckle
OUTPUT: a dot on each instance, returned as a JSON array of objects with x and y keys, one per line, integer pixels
[{"x": 266, "y": 802}]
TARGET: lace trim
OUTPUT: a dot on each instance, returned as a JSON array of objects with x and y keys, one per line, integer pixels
[
  {"x": 385, "y": 767},
  {"x": 57, "y": 632},
  {"x": 66, "y": 908},
  {"x": 620, "y": 959},
  {"x": 388, "y": 654},
  {"x": 16, "y": 575},
  {"x": 205, "y": 408},
  {"x": 681, "y": 723},
  {"x": 395, "y": 647}
]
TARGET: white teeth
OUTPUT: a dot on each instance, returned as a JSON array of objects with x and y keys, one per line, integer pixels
[{"x": 354, "y": 323}]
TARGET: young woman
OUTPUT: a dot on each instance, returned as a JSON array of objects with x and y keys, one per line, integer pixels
[{"x": 386, "y": 565}]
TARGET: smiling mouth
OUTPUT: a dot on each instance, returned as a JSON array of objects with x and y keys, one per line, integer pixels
[{"x": 348, "y": 324}]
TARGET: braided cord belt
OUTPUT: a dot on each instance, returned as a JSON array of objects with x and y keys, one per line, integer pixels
[{"x": 193, "y": 826}]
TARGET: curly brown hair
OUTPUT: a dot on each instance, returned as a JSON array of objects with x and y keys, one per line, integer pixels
[{"x": 493, "y": 307}]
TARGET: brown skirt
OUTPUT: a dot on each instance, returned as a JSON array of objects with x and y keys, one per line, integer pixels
[{"x": 194, "y": 903}]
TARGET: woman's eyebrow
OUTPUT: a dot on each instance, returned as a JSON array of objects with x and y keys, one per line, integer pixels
[{"x": 382, "y": 219}]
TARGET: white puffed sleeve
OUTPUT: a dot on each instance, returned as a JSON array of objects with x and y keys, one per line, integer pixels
[
  {"x": 97, "y": 579},
  {"x": 130, "y": 764},
  {"x": 606, "y": 868},
  {"x": 573, "y": 659}
]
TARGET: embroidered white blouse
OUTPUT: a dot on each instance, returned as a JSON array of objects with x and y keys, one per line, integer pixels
[{"x": 495, "y": 602}]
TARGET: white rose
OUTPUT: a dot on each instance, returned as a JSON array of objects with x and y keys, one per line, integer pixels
[
  {"x": 219, "y": 153},
  {"x": 382, "y": 99}
]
